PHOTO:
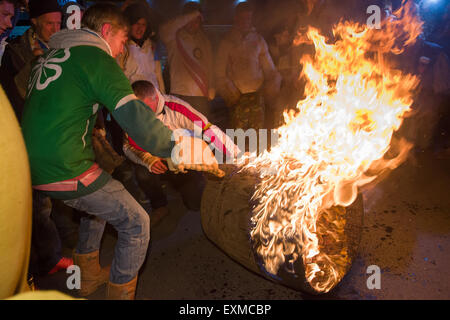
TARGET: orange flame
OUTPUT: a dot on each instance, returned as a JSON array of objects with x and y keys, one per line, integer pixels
[{"x": 342, "y": 130}]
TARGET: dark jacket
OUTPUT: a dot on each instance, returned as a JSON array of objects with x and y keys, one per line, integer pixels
[{"x": 15, "y": 70}]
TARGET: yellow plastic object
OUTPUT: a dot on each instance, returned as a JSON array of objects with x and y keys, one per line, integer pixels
[
  {"x": 15, "y": 211},
  {"x": 15, "y": 204}
]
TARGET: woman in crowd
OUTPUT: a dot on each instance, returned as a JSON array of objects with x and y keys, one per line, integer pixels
[{"x": 138, "y": 61}]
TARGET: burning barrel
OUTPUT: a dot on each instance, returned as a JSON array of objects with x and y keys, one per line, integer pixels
[
  {"x": 280, "y": 216},
  {"x": 226, "y": 212}
]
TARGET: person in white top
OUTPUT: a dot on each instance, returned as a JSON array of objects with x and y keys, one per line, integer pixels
[
  {"x": 138, "y": 61},
  {"x": 176, "y": 114},
  {"x": 190, "y": 58},
  {"x": 245, "y": 72}
]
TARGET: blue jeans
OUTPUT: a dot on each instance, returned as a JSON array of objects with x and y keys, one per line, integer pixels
[{"x": 113, "y": 204}]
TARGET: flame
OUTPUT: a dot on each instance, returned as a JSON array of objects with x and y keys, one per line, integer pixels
[{"x": 327, "y": 148}]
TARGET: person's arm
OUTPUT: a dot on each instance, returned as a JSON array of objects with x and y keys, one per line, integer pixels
[
  {"x": 274, "y": 51},
  {"x": 270, "y": 71},
  {"x": 224, "y": 85},
  {"x": 159, "y": 77},
  {"x": 141, "y": 124},
  {"x": 272, "y": 78},
  {"x": 139, "y": 157},
  {"x": 441, "y": 75},
  {"x": 23, "y": 74},
  {"x": 186, "y": 117},
  {"x": 168, "y": 30},
  {"x": 109, "y": 86},
  {"x": 221, "y": 141},
  {"x": 210, "y": 71}
]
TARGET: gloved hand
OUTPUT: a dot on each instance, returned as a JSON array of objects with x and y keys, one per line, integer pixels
[
  {"x": 158, "y": 167},
  {"x": 193, "y": 154}
]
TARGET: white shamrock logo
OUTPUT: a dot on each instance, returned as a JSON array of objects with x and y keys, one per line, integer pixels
[{"x": 39, "y": 76}]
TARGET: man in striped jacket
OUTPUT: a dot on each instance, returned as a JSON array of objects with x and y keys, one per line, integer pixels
[{"x": 175, "y": 114}]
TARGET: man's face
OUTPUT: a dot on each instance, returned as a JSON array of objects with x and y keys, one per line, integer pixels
[
  {"x": 282, "y": 38},
  {"x": 116, "y": 40},
  {"x": 244, "y": 20},
  {"x": 138, "y": 29},
  {"x": 195, "y": 25},
  {"x": 6, "y": 13},
  {"x": 47, "y": 24},
  {"x": 152, "y": 102}
]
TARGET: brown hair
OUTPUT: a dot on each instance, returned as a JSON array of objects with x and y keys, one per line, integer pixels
[
  {"x": 102, "y": 13},
  {"x": 143, "y": 89}
]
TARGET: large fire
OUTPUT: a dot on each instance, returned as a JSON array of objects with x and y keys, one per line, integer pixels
[{"x": 339, "y": 134}]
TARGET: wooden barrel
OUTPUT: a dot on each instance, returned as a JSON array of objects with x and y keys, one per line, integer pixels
[{"x": 226, "y": 213}]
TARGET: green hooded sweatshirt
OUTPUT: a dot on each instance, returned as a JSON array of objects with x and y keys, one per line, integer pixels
[{"x": 67, "y": 87}]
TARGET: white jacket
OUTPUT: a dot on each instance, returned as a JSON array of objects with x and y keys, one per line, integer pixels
[
  {"x": 138, "y": 63},
  {"x": 178, "y": 114}
]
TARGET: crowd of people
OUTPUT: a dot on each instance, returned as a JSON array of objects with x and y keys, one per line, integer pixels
[{"x": 98, "y": 117}]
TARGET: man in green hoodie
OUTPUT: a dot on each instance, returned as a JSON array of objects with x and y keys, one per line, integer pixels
[{"x": 67, "y": 87}]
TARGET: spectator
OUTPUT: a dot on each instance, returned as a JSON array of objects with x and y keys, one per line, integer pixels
[
  {"x": 245, "y": 72},
  {"x": 15, "y": 70},
  {"x": 287, "y": 61},
  {"x": 138, "y": 61},
  {"x": 9, "y": 10},
  {"x": 190, "y": 58},
  {"x": 441, "y": 34},
  {"x": 429, "y": 62},
  {"x": 175, "y": 114}
]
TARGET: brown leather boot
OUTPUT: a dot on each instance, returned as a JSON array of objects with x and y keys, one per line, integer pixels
[
  {"x": 92, "y": 275},
  {"x": 124, "y": 291}
]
